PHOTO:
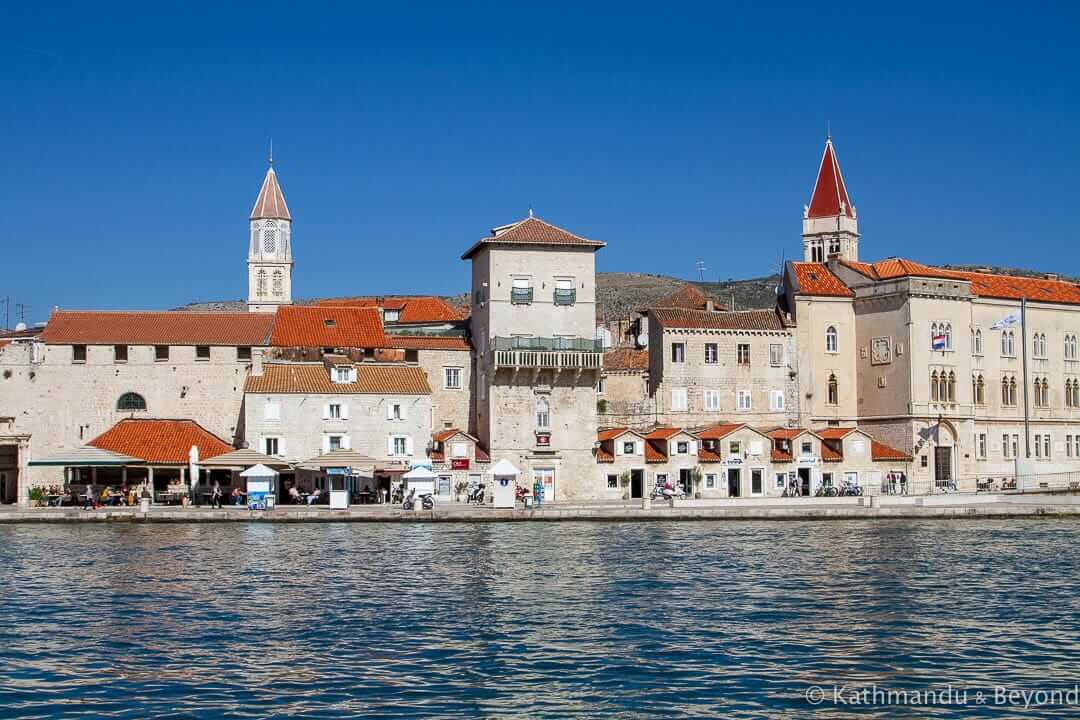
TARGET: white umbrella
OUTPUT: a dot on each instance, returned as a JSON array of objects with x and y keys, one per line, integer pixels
[
  {"x": 193, "y": 468},
  {"x": 419, "y": 473},
  {"x": 504, "y": 467}
]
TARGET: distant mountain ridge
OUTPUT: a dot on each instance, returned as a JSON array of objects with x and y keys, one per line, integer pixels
[{"x": 619, "y": 294}]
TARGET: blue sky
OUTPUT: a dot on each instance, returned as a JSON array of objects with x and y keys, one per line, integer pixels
[{"x": 132, "y": 145}]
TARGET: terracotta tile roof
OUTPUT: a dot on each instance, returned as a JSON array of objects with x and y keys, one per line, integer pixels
[
  {"x": 444, "y": 435},
  {"x": 830, "y": 196},
  {"x": 706, "y": 455},
  {"x": 779, "y": 456},
  {"x": 4, "y": 342},
  {"x": 481, "y": 455},
  {"x": 612, "y": 433},
  {"x": 816, "y": 279},
  {"x": 834, "y": 433},
  {"x": 654, "y": 453},
  {"x": 892, "y": 268},
  {"x": 881, "y": 451},
  {"x": 830, "y": 455},
  {"x": 688, "y": 297},
  {"x": 719, "y": 432},
  {"x": 412, "y": 308},
  {"x": 531, "y": 231},
  {"x": 304, "y": 378},
  {"x": 662, "y": 433},
  {"x": 785, "y": 433},
  {"x": 157, "y": 328},
  {"x": 427, "y": 342},
  {"x": 626, "y": 358},
  {"x": 270, "y": 204},
  {"x": 338, "y": 327},
  {"x": 160, "y": 441},
  {"x": 728, "y": 320},
  {"x": 603, "y": 456}
]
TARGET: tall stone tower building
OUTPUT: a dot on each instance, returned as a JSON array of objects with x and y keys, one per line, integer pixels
[
  {"x": 270, "y": 248},
  {"x": 830, "y": 223},
  {"x": 533, "y": 326}
]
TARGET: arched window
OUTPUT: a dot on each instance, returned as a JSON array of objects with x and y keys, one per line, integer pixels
[
  {"x": 832, "y": 340},
  {"x": 1076, "y": 394},
  {"x": 260, "y": 283},
  {"x": 131, "y": 401},
  {"x": 1068, "y": 394},
  {"x": 269, "y": 236},
  {"x": 834, "y": 390},
  {"x": 543, "y": 413},
  {"x": 980, "y": 390},
  {"x": 948, "y": 335},
  {"x": 934, "y": 333},
  {"x": 1070, "y": 347},
  {"x": 1012, "y": 391},
  {"x": 935, "y": 395},
  {"x": 279, "y": 284},
  {"x": 1046, "y": 393},
  {"x": 978, "y": 342},
  {"x": 951, "y": 397}
]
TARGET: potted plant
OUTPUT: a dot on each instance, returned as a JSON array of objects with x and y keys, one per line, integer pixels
[
  {"x": 460, "y": 488},
  {"x": 37, "y": 496},
  {"x": 624, "y": 483}
]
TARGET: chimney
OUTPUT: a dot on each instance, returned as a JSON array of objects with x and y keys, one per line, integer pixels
[
  {"x": 1053, "y": 276},
  {"x": 710, "y": 306},
  {"x": 256, "y": 362}
]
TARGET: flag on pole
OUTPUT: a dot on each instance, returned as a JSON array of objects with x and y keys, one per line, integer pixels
[
  {"x": 1009, "y": 320},
  {"x": 938, "y": 341}
]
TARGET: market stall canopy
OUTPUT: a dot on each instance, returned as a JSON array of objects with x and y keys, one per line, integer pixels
[
  {"x": 259, "y": 471},
  {"x": 87, "y": 456},
  {"x": 504, "y": 467},
  {"x": 340, "y": 458},
  {"x": 419, "y": 473},
  {"x": 243, "y": 458}
]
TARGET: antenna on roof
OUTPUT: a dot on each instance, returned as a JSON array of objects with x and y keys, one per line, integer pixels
[
  {"x": 530, "y": 210},
  {"x": 270, "y": 157},
  {"x": 701, "y": 270},
  {"x": 828, "y": 129}
]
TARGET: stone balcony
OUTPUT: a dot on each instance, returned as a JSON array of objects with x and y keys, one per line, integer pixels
[{"x": 531, "y": 353}]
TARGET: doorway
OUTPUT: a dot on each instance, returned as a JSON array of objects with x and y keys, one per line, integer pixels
[
  {"x": 943, "y": 466},
  {"x": 757, "y": 481},
  {"x": 804, "y": 482},
  {"x": 546, "y": 476},
  {"x": 734, "y": 480},
  {"x": 637, "y": 483},
  {"x": 685, "y": 481}
]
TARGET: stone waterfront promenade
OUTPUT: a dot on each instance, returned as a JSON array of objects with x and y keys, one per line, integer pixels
[{"x": 847, "y": 508}]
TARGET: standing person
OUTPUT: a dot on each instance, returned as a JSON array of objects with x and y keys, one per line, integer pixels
[
  {"x": 238, "y": 497},
  {"x": 538, "y": 492},
  {"x": 215, "y": 495},
  {"x": 89, "y": 502}
]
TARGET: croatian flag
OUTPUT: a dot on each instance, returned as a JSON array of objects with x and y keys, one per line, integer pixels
[
  {"x": 1009, "y": 320},
  {"x": 938, "y": 341}
]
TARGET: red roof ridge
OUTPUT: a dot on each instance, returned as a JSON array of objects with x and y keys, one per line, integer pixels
[
  {"x": 532, "y": 231},
  {"x": 829, "y": 197},
  {"x": 270, "y": 204}
]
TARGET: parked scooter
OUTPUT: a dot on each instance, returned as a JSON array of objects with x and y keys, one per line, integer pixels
[
  {"x": 427, "y": 502},
  {"x": 850, "y": 489},
  {"x": 408, "y": 503},
  {"x": 476, "y": 495},
  {"x": 667, "y": 492}
]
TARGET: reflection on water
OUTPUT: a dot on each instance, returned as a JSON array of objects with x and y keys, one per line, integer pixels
[{"x": 538, "y": 619}]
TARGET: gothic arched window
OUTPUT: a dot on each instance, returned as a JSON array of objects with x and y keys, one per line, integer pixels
[
  {"x": 269, "y": 236},
  {"x": 978, "y": 342},
  {"x": 260, "y": 283},
  {"x": 935, "y": 393},
  {"x": 131, "y": 401},
  {"x": 543, "y": 413},
  {"x": 279, "y": 284},
  {"x": 832, "y": 340},
  {"x": 834, "y": 390},
  {"x": 951, "y": 387}
]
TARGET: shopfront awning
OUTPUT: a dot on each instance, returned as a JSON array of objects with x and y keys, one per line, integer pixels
[
  {"x": 86, "y": 456},
  {"x": 340, "y": 458},
  {"x": 243, "y": 458},
  {"x": 504, "y": 468}
]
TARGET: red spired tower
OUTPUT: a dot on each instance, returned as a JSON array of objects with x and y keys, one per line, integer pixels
[{"x": 830, "y": 223}]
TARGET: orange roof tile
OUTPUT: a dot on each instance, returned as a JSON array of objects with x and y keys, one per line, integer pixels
[
  {"x": 160, "y": 441},
  {"x": 816, "y": 279},
  {"x": 337, "y": 327},
  {"x": 786, "y": 433},
  {"x": 663, "y": 433},
  {"x": 779, "y": 456},
  {"x": 603, "y": 456},
  {"x": 728, "y": 320},
  {"x": 706, "y": 455},
  {"x": 626, "y": 358},
  {"x": 412, "y": 308},
  {"x": 719, "y": 432},
  {"x": 653, "y": 453},
  {"x": 881, "y": 451},
  {"x": 157, "y": 328},
  {"x": 611, "y": 433},
  {"x": 829, "y": 198},
  {"x": 830, "y": 455},
  {"x": 270, "y": 204},
  {"x": 834, "y": 433},
  {"x": 303, "y": 378},
  {"x": 427, "y": 342},
  {"x": 531, "y": 231}
]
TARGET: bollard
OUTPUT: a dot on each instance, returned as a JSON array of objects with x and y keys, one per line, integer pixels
[
  {"x": 144, "y": 505},
  {"x": 646, "y": 503}
]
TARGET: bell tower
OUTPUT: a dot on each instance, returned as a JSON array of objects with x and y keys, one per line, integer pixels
[
  {"x": 270, "y": 248},
  {"x": 830, "y": 223}
]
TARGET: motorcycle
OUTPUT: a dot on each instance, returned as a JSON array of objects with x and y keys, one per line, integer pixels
[
  {"x": 408, "y": 503},
  {"x": 827, "y": 491},
  {"x": 850, "y": 489},
  {"x": 476, "y": 495},
  {"x": 659, "y": 492}
]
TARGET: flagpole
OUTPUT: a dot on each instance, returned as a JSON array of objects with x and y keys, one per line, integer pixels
[{"x": 1027, "y": 410}]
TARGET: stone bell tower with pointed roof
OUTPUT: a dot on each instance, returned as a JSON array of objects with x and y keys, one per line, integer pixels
[
  {"x": 830, "y": 223},
  {"x": 270, "y": 248}
]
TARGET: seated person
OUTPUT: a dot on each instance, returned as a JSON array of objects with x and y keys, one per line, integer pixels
[
  {"x": 313, "y": 497},
  {"x": 106, "y": 496},
  {"x": 294, "y": 495}
]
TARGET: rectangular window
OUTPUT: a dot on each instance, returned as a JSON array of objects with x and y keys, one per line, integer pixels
[
  {"x": 710, "y": 481},
  {"x": 202, "y": 353},
  {"x": 781, "y": 479},
  {"x": 743, "y": 353},
  {"x": 678, "y": 398},
  {"x": 272, "y": 411},
  {"x": 399, "y": 446},
  {"x": 333, "y": 411},
  {"x": 678, "y": 352},
  {"x": 1016, "y": 446},
  {"x": 565, "y": 293},
  {"x": 391, "y": 316},
  {"x": 335, "y": 442},
  {"x": 521, "y": 292},
  {"x": 161, "y": 353},
  {"x": 612, "y": 481},
  {"x": 776, "y": 400},
  {"x": 243, "y": 353},
  {"x": 1046, "y": 446},
  {"x": 628, "y": 447},
  {"x": 827, "y": 479},
  {"x": 120, "y": 353},
  {"x": 1005, "y": 445},
  {"x": 452, "y": 378},
  {"x": 682, "y": 447},
  {"x": 1068, "y": 446},
  {"x": 743, "y": 403},
  {"x": 735, "y": 448},
  {"x": 980, "y": 446},
  {"x": 395, "y": 411},
  {"x": 757, "y": 481},
  {"x": 78, "y": 353},
  {"x": 600, "y": 386},
  {"x": 776, "y": 355},
  {"x": 342, "y": 375},
  {"x": 712, "y": 400},
  {"x": 270, "y": 445},
  {"x": 711, "y": 354},
  {"x": 807, "y": 448}
]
